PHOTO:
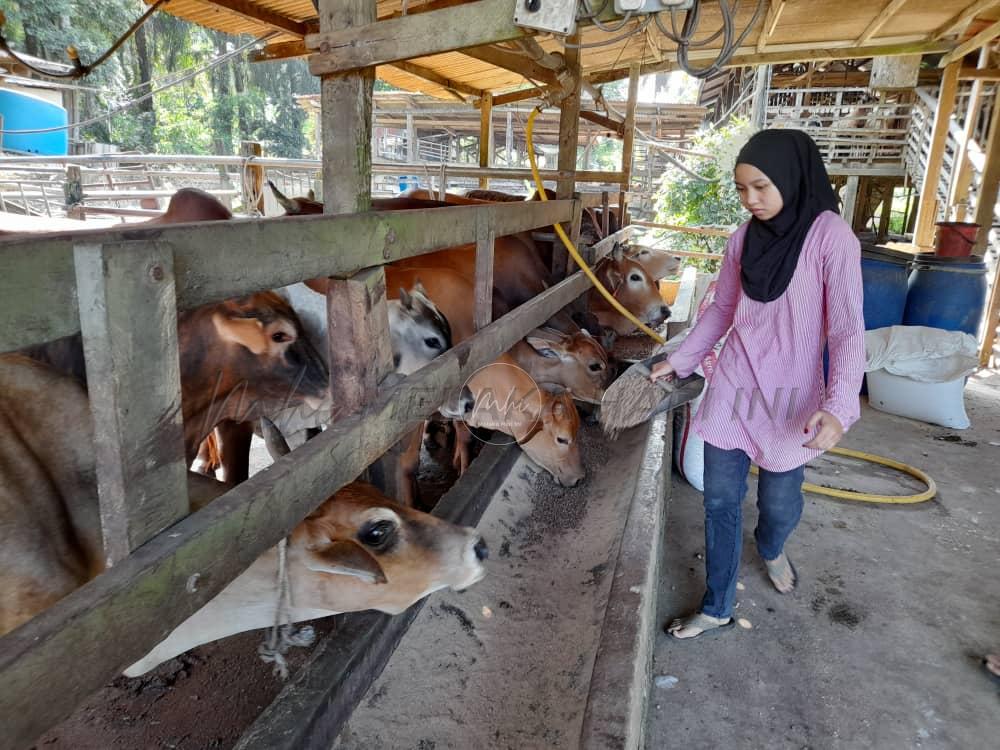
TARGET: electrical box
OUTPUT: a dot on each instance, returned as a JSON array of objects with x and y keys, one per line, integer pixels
[
  {"x": 650, "y": 6},
  {"x": 555, "y": 16}
]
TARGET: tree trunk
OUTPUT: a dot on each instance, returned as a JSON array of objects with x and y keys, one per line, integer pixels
[{"x": 146, "y": 108}]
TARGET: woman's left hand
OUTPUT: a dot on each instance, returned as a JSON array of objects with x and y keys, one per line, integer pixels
[{"x": 830, "y": 431}]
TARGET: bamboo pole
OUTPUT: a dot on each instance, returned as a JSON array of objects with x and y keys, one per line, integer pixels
[{"x": 927, "y": 210}]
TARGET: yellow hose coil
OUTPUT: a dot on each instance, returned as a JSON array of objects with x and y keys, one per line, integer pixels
[{"x": 806, "y": 486}]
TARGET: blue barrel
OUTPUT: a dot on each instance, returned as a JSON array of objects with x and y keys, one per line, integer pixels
[
  {"x": 884, "y": 274},
  {"x": 23, "y": 111},
  {"x": 948, "y": 293}
]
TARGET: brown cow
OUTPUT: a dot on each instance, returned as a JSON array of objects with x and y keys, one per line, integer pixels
[
  {"x": 633, "y": 288},
  {"x": 357, "y": 551}
]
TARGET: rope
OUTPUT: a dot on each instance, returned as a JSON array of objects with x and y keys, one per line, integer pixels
[
  {"x": 79, "y": 69},
  {"x": 283, "y": 635},
  {"x": 112, "y": 112}
]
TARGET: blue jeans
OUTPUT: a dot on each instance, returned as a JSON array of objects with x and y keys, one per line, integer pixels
[{"x": 779, "y": 502}]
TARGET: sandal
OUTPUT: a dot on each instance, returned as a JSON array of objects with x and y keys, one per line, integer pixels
[
  {"x": 795, "y": 576},
  {"x": 706, "y": 624}
]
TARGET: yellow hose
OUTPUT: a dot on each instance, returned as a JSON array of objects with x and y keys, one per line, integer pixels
[
  {"x": 866, "y": 497},
  {"x": 807, "y": 486},
  {"x": 572, "y": 248}
]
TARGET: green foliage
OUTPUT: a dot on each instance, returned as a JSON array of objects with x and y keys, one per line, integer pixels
[
  {"x": 210, "y": 113},
  {"x": 688, "y": 201}
]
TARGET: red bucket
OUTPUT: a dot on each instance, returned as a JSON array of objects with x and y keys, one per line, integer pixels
[{"x": 955, "y": 239}]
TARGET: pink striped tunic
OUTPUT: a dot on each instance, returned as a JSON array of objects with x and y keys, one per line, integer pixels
[{"x": 769, "y": 376}]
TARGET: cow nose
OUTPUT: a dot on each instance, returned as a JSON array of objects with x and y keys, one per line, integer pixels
[
  {"x": 665, "y": 311},
  {"x": 481, "y": 550}
]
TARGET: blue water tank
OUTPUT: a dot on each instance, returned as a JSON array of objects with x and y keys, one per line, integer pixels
[
  {"x": 948, "y": 293},
  {"x": 22, "y": 111},
  {"x": 884, "y": 275}
]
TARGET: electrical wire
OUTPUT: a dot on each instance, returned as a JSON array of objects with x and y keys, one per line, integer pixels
[
  {"x": 111, "y": 112},
  {"x": 684, "y": 38},
  {"x": 605, "y": 42},
  {"x": 79, "y": 69}
]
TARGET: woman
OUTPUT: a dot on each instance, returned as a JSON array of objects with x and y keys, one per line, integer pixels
[{"x": 790, "y": 282}]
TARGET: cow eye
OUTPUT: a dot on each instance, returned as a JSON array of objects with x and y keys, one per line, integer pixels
[
  {"x": 376, "y": 534},
  {"x": 432, "y": 342},
  {"x": 562, "y": 441},
  {"x": 635, "y": 277},
  {"x": 596, "y": 367},
  {"x": 280, "y": 337}
]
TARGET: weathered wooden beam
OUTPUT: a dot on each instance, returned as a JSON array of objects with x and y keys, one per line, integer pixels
[
  {"x": 985, "y": 217},
  {"x": 979, "y": 74},
  {"x": 485, "y": 136},
  {"x": 128, "y": 315},
  {"x": 280, "y": 51},
  {"x": 774, "y": 12},
  {"x": 981, "y": 39},
  {"x": 218, "y": 260},
  {"x": 444, "y": 30},
  {"x": 959, "y": 21},
  {"x": 628, "y": 140},
  {"x": 115, "y": 619},
  {"x": 254, "y": 12},
  {"x": 569, "y": 141},
  {"x": 434, "y": 77},
  {"x": 520, "y": 96},
  {"x": 881, "y": 19},
  {"x": 513, "y": 62},
  {"x": 615, "y": 126},
  {"x": 485, "y": 237},
  {"x": 961, "y": 169},
  {"x": 313, "y": 707},
  {"x": 927, "y": 211}
]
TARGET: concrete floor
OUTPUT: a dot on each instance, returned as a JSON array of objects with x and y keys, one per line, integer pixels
[{"x": 879, "y": 646}]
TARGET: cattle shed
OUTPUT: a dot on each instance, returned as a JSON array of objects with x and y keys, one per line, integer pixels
[{"x": 561, "y": 645}]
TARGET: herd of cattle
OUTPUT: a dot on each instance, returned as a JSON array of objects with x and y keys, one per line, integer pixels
[{"x": 249, "y": 358}]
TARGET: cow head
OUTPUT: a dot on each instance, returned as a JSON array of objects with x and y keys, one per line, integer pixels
[
  {"x": 633, "y": 287},
  {"x": 658, "y": 263},
  {"x": 418, "y": 330},
  {"x": 296, "y": 206},
  {"x": 554, "y": 447},
  {"x": 245, "y": 358},
  {"x": 360, "y": 550},
  {"x": 576, "y": 361}
]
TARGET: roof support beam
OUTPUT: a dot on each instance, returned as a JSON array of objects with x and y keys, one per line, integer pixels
[
  {"x": 959, "y": 21},
  {"x": 254, "y": 12},
  {"x": 981, "y": 39},
  {"x": 880, "y": 20},
  {"x": 770, "y": 23},
  {"x": 434, "y": 77},
  {"x": 512, "y": 61}
]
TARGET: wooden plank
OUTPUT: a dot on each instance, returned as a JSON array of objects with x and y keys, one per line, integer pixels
[
  {"x": 979, "y": 74},
  {"x": 128, "y": 315},
  {"x": 485, "y": 237},
  {"x": 280, "y": 51},
  {"x": 985, "y": 216},
  {"x": 219, "y": 260},
  {"x": 434, "y": 77},
  {"x": 847, "y": 210},
  {"x": 628, "y": 140},
  {"x": 254, "y": 12},
  {"x": 343, "y": 666},
  {"x": 927, "y": 211},
  {"x": 513, "y": 62},
  {"x": 485, "y": 136},
  {"x": 420, "y": 35},
  {"x": 959, "y": 21},
  {"x": 708, "y": 231},
  {"x": 961, "y": 170},
  {"x": 615, "y": 126},
  {"x": 139, "y": 602},
  {"x": 981, "y": 39},
  {"x": 880, "y": 20},
  {"x": 775, "y": 8}
]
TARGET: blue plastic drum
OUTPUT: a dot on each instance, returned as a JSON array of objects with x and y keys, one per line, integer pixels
[
  {"x": 884, "y": 274},
  {"x": 948, "y": 293}
]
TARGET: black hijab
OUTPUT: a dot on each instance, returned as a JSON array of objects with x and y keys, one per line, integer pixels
[{"x": 771, "y": 249}]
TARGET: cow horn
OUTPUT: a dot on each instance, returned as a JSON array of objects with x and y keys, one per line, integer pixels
[
  {"x": 288, "y": 204},
  {"x": 276, "y": 444}
]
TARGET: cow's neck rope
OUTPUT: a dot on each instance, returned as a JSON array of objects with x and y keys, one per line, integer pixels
[{"x": 283, "y": 635}]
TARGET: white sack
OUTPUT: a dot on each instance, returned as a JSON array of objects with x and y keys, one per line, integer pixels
[{"x": 928, "y": 355}]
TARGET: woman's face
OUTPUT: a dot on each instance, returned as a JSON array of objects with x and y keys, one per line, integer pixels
[{"x": 758, "y": 194}]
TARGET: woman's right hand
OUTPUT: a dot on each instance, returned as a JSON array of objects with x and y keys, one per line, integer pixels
[{"x": 662, "y": 370}]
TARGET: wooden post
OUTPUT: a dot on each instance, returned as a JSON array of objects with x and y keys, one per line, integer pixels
[
  {"x": 485, "y": 235},
  {"x": 411, "y": 140},
  {"x": 569, "y": 122},
  {"x": 485, "y": 136},
  {"x": 888, "y": 188},
  {"x": 961, "y": 171},
  {"x": 628, "y": 138},
  {"x": 927, "y": 211},
  {"x": 985, "y": 208},
  {"x": 252, "y": 179},
  {"x": 128, "y": 317},
  {"x": 509, "y": 140},
  {"x": 850, "y": 198},
  {"x": 605, "y": 214},
  {"x": 758, "y": 107}
]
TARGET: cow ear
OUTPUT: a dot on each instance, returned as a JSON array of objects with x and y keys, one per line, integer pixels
[
  {"x": 542, "y": 347},
  {"x": 290, "y": 206},
  {"x": 618, "y": 253},
  {"x": 345, "y": 558},
  {"x": 405, "y": 298},
  {"x": 248, "y": 332},
  {"x": 311, "y": 195}
]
